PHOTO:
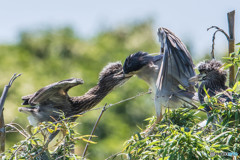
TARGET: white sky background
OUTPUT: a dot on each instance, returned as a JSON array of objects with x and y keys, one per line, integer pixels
[{"x": 188, "y": 19}]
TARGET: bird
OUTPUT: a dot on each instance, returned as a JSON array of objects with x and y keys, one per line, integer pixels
[
  {"x": 213, "y": 78},
  {"x": 167, "y": 73},
  {"x": 49, "y": 102}
]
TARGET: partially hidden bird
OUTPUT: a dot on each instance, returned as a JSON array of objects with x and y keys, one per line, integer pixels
[
  {"x": 48, "y": 103},
  {"x": 212, "y": 80},
  {"x": 167, "y": 73}
]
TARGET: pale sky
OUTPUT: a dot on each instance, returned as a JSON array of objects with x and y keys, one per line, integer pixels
[{"x": 188, "y": 19}]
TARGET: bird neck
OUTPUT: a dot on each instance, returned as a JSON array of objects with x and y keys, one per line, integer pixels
[{"x": 92, "y": 97}]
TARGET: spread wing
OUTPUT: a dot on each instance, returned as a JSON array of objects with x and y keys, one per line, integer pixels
[
  {"x": 55, "y": 92},
  {"x": 177, "y": 66}
]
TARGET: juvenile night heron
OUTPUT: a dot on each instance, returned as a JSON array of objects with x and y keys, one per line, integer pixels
[
  {"x": 48, "y": 101},
  {"x": 213, "y": 78},
  {"x": 167, "y": 73}
]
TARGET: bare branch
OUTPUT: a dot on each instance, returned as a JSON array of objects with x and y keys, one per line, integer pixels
[
  {"x": 2, "y": 100},
  {"x": 214, "y": 35},
  {"x": 5, "y": 91},
  {"x": 93, "y": 130},
  {"x": 22, "y": 132}
]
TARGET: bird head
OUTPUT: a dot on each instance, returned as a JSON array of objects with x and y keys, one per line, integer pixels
[
  {"x": 112, "y": 72},
  {"x": 210, "y": 71},
  {"x": 135, "y": 62}
]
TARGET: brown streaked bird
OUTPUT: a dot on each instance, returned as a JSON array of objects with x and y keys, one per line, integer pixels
[
  {"x": 213, "y": 78},
  {"x": 165, "y": 72},
  {"x": 48, "y": 101}
]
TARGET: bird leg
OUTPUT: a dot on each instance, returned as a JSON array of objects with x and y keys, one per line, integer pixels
[{"x": 149, "y": 130}]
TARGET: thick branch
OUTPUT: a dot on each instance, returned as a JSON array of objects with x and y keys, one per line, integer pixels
[{"x": 231, "y": 45}]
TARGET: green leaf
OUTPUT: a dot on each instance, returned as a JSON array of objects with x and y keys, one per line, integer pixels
[
  {"x": 236, "y": 85},
  {"x": 228, "y": 66},
  {"x": 236, "y": 117},
  {"x": 210, "y": 119},
  {"x": 139, "y": 136},
  {"x": 153, "y": 143},
  {"x": 201, "y": 107},
  {"x": 219, "y": 136},
  {"x": 50, "y": 130},
  {"x": 227, "y": 58},
  {"x": 89, "y": 141},
  {"x": 228, "y": 139}
]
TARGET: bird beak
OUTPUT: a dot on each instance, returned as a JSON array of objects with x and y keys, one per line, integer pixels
[
  {"x": 124, "y": 75},
  {"x": 129, "y": 75},
  {"x": 27, "y": 109},
  {"x": 196, "y": 78}
]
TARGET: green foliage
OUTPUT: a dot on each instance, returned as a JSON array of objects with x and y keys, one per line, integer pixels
[
  {"x": 233, "y": 59},
  {"x": 35, "y": 146},
  {"x": 173, "y": 141},
  {"x": 178, "y": 135}
]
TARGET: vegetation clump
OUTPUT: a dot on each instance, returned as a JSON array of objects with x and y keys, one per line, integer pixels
[{"x": 179, "y": 135}]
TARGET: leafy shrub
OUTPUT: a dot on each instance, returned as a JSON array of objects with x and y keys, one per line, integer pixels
[
  {"x": 35, "y": 146},
  {"x": 178, "y": 135}
]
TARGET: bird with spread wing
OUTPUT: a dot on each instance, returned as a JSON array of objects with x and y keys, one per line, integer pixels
[
  {"x": 167, "y": 73},
  {"x": 48, "y": 103}
]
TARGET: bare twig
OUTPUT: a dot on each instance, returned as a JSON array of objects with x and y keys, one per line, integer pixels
[
  {"x": 5, "y": 91},
  {"x": 110, "y": 105},
  {"x": 2, "y": 100},
  {"x": 22, "y": 132},
  {"x": 214, "y": 35},
  {"x": 93, "y": 130}
]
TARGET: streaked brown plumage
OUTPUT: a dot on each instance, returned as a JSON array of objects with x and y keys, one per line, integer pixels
[{"x": 48, "y": 101}]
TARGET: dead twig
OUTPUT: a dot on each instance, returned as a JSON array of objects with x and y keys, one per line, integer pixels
[
  {"x": 21, "y": 130},
  {"x": 93, "y": 130},
  {"x": 214, "y": 35},
  {"x": 5, "y": 91},
  {"x": 2, "y": 100}
]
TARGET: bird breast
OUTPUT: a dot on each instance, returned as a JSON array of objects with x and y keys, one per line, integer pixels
[{"x": 32, "y": 120}]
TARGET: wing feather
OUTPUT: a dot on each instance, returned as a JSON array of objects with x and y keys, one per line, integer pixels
[
  {"x": 53, "y": 92},
  {"x": 177, "y": 65}
]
